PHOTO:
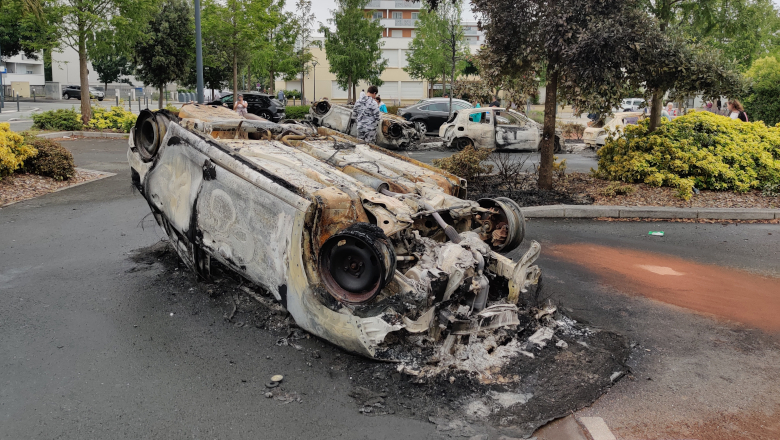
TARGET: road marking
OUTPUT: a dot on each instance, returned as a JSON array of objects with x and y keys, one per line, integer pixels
[
  {"x": 660, "y": 270},
  {"x": 597, "y": 428}
]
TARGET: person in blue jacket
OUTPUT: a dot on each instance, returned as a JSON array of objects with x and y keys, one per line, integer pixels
[{"x": 382, "y": 106}]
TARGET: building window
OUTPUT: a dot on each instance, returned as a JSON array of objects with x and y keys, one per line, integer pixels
[
  {"x": 396, "y": 33},
  {"x": 377, "y": 15},
  {"x": 415, "y": 15},
  {"x": 29, "y": 72},
  {"x": 466, "y": 28},
  {"x": 398, "y": 15}
]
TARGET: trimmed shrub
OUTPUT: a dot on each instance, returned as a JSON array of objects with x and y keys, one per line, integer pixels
[
  {"x": 699, "y": 150},
  {"x": 392, "y": 109},
  {"x": 61, "y": 119},
  {"x": 115, "y": 119},
  {"x": 13, "y": 150},
  {"x": 573, "y": 130},
  {"x": 52, "y": 160},
  {"x": 296, "y": 111},
  {"x": 466, "y": 164},
  {"x": 763, "y": 104}
]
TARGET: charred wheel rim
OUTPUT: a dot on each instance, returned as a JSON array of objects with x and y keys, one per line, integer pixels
[
  {"x": 421, "y": 127},
  {"x": 504, "y": 228},
  {"x": 356, "y": 263},
  {"x": 149, "y": 131}
]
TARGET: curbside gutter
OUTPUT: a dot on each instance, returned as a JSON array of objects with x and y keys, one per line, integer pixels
[
  {"x": 660, "y": 212},
  {"x": 86, "y": 134}
]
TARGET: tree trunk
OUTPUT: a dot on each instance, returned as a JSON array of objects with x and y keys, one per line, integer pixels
[
  {"x": 271, "y": 81},
  {"x": 235, "y": 77},
  {"x": 655, "y": 110},
  {"x": 303, "y": 83},
  {"x": 86, "y": 109},
  {"x": 160, "y": 98},
  {"x": 548, "y": 133}
]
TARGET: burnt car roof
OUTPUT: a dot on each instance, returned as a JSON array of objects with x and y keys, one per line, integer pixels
[{"x": 365, "y": 248}]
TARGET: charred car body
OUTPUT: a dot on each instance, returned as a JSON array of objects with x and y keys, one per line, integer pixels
[
  {"x": 394, "y": 132},
  {"x": 362, "y": 246},
  {"x": 493, "y": 127}
]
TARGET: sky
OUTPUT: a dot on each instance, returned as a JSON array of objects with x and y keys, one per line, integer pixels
[{"x": 322, "y": 8}]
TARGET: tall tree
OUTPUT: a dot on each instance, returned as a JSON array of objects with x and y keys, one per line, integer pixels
[
  {"x": 276, "y": 55},
  {"x": 82, "y": 18},
  {"x": 527, "y": 37},
  {"x": 763, "y": 104},
  {"x": 453, "y": 41},
  {"x": 304, "y": 19},
  {"x": 164, "y": 55},
  {"x": 28, "y": 28},
  {"x": 354, "y": 48},
  {"x": 110, "y": 57},
  {"x": 237, "y": 25},
  {"x": 426, "y": 58}
]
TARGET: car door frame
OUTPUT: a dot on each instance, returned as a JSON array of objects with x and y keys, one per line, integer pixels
[
  {"x": 515, "y": 136},
  {"x": 481, "y": 134}
]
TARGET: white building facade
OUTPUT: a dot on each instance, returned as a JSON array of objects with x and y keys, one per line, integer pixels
[{"x": 23, "y": 75}]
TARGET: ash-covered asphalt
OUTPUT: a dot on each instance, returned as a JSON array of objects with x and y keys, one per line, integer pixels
[{"x": 92, "y": 349}]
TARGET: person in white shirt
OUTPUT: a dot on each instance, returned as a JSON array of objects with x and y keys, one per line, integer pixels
[{"x": 736, "y": 111}]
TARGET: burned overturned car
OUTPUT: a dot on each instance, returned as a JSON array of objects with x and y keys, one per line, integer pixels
[
  {"x": 394, "y": 132},
  {"x": 363, "y": 247}
]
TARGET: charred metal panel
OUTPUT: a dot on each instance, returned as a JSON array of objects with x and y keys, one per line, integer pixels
[{"x": 356, "y": 242}]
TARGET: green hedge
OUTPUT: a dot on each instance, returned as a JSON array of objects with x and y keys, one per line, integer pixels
[
  {"x": 52, "y": 160},
  {"x": 61, "y": 119},
  {"x": 296, "y": 111},
  {"x": 699, "y": 150}
]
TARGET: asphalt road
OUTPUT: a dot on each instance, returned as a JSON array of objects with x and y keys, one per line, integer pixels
[{"x": 91, "y": 351}]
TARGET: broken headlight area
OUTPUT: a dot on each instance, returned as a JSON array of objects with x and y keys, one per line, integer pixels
[
  {"x": 372, "y": 251},
  {"x": 393, "y": 131}
]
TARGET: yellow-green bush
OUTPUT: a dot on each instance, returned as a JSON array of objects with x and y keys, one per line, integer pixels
[
  {"x": 13, "y": 150},
  {"x": 701, "y": 150},
  {"x": 60, "y": 119},
  {"x": 115, "y": 119}
]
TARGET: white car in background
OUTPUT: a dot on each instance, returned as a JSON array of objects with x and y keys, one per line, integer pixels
[
  {"x": 596, "y": 135},
  {"x": 633, "y": 105}
]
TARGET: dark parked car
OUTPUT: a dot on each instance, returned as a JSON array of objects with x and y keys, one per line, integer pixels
[
  {"x": 75, "y": 92},
  {"x": 429, "y": 114},
  {"x": 265, "y": 106}
]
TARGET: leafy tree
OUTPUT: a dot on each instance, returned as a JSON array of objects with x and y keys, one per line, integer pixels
[
  {"x": 304, "y": 20},
  {"x": 236, "y": 25},
  {"x": 527, "y": 37},
  {"x": 426, "y": 58},
  {"x": 83, "y": 18},
  {"x": 453, "y": 40},
  {"x": 277, "y": 54},
  {"x": 164, "y": 55},
  {"x": 110, "y": 58},
  {"x": 763, "y": 104},
  {"x": 354, "y": 48},
  {"x": 27, "y": 28}
]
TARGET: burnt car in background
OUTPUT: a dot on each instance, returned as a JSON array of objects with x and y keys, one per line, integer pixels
[
  {"x": 259, "y": 104},
  {"x": 596, "y": 135},
  {"x": 429, "y": 114},
  {"x": 356, "y": 242},
  {"x": 495, "y": 127},
  {"x": 393, "y": 132}
]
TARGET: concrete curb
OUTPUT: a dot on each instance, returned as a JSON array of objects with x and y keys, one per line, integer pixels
[
  {"x": 661, "y": 212},
  {"x": 86, "y": 134}
]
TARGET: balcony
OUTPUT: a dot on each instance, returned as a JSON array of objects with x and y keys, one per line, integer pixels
[
  {"x": 393, "y": 4},
  {"x": 399, "y": 22}
]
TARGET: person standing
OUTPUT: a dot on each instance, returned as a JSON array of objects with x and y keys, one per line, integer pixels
[
  {"x": 719, "y": 105},
  {"x": 240, "y": 106},
  {"x": 736, "y": 111},
  {"x": 382, "y": 106},
  {"x": 496, "y": 102},
  {"x": 366, "y": 113}
]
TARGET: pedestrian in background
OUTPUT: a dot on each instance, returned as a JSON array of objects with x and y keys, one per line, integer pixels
[
  {"x": 496, "y": 102},
  {"x": 366, "y": 113},
  {"x": 719, "y": 105},
  {"x": 240, "y": 106},
  {"x": 382, "y": 106},
  {"x": 736, "y": 111},
  {"x": 709, "y": 106}
]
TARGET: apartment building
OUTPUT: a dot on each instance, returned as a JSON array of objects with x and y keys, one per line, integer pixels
[
  {"x": 23, "y": 75},
  {"x": 399, "y": 20}
]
